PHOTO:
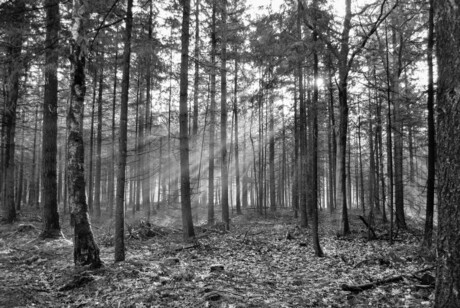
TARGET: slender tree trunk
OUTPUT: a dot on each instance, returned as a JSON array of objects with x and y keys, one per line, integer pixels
[
  {"x": 447, "y": 29},
  {"x": 212, "y": 118},
  {"x": 122, "y": 143},
  {"x": 430, "y": 182},
  {"x": 20, "y": 184},
  {"x": 371, "y": 179},
  {"x": 86, "y": 250},
  {"x": 197, "y": 68},
  {"x": 271, "y": 150},
  {"x": 223, "y": 118},
  {"x": 110, "y": 191},
  {"x": 302, "y": 135},
  {"x": 146, "y": 128},
  {"x": 51, "y": 227},
  {"x": 398, "y": 123},
  {"x": 237, "y": 162},
  {"x": 389, "y": 139},
  {"x": 97, "y": 180},
  {"x": 90, "y": 180},
  {"x": 33, "y": 183},
  {"x": 314, "y": 144},
  {"x": 332, "y": 144},
  {"x": 295, "y": 164},
  {"x": 361, "y": 176}
]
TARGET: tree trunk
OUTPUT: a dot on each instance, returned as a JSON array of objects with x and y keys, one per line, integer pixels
[
  {"x": 398, "y": 125},
  {"x": 295, "y": 164},
  {"x": 223, "y": 118},
  {"x": 271, "y": 150},
  {"x": 342, "y": 129},
  {"x": 14, "y": 66},
  {"x": 51, "y": 227},
  {"x": 86, "y": 250},
  {"x": 90, "y": 175},
  {"x": 314, "y": 143},
  {"x": 302, "y": 134},
  {"x": 197, "y": 68},
  {"x": 447, "y": 29},
  {"x": 32, "y": 182},
  {"x": 111, "y": 184},
  {"x": 97, "y": 179},
  {"x": 122, "y": 143},
  {"x": 212, "y": 118},
  {"x": 237, "y": 162},
  {"x": 187, "y": 222},
  {"x": 430, "y": 182},
  {"x": 146, "y": 128}
]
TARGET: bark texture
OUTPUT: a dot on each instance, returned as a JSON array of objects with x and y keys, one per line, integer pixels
[
  {"x": 51, "y": 227},
  {"x": 122, "y": 142},
  {"x": 187, "y": 222},
  {"x": 86, "y": 251},
  {"x": 447, "y": 28}
]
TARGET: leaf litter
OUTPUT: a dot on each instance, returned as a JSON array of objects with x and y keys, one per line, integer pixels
[{"x": 261, "y": 262}]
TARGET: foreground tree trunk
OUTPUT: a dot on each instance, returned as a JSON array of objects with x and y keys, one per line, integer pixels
[
  {"x": 86, "y": 251},
  {"x": 447, "y": 23},
  {"x": 14, "y": 43},
  {"x": 122, "y": 143},
  {"x": 187, "y": 222},
  {"x": 51, "y": 227},
  {"x": 314, "y": 144}
]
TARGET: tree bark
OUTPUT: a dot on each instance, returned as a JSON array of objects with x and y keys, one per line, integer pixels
[
  {"x": 237, "y": 162},
  {"x": 447, "y": 29},
  {"x": 212, "y": 118},
  {"x": 51, "y": 226},
  {"x": 97, "y": 179},
  {"x": 314, "y": 143},
  {"x": 122, "y": 141},
  {"x": 187, "y": 222},
  {"x": 430, "y": 181},
  {"x": 197, "y": 68},
  {"x": 302, "y": 134},
  {"x": 86, "y": 251},
  {"x": 223, "y": 118},
  {"x": 14, "y": 67}
]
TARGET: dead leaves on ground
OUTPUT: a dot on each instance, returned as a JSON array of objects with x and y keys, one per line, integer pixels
[{"x": 254, "y": 265}]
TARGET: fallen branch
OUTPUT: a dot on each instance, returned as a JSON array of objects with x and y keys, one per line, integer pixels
[
  {"x": 368, "y": 226},
  {"x": 367, "y": 286}
]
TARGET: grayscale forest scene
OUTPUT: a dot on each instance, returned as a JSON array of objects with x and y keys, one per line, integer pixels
[{"x": 230, "y": 153}]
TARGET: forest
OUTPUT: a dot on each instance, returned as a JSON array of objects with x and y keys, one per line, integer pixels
[{"x": 230, "y": 153}]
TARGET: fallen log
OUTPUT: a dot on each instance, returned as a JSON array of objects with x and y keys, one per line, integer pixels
[{"x": 367, "y": 286}]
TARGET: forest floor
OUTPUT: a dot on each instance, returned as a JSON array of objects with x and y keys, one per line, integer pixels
[{"x": 262, "y": 262}]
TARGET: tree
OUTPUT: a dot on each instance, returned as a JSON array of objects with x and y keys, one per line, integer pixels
[
  {"x": 122, "y": 141},
  {"x": 14, "y": 68},
  {"x": 223, "y": 117},
  {"x": 187, "y": 222},
  {"x": 447, "y": 28},
  {"x": 346, "y": 56},
  {"x": 212, "y": 117},
  {"x": 431, "y": 134},
  {"x": 86, "y": 251},
  {"x": 314, "y": 136},
  {"x": 97, "y": 180},
  {"x": 51, "y": 227}
]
